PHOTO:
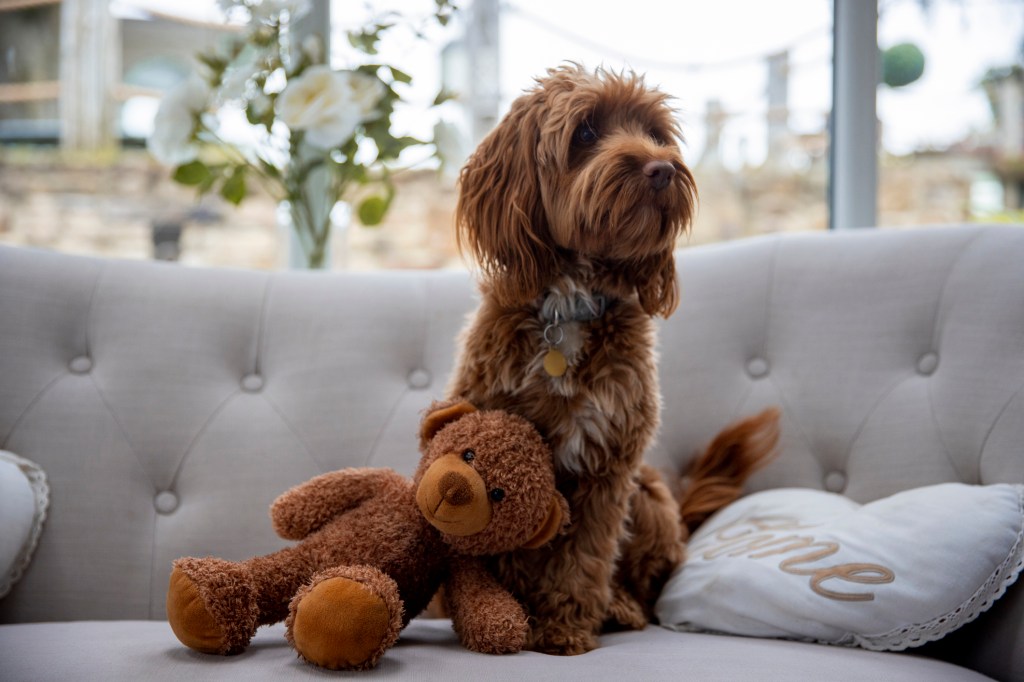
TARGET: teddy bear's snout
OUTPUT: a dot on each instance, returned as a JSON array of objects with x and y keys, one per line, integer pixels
[
  {"x": 455, "y": 489},
  {"x": 453, "y": 497}
]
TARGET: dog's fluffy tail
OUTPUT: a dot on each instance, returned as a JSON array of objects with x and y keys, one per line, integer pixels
[{"x": 716, "y": 477}]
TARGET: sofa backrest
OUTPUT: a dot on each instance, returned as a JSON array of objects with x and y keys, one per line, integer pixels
[
  {"x": 170, "y": 405},
  {"x": 897, "y": 356}
]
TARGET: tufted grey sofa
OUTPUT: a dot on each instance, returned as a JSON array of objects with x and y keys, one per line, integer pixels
[{"x": 170, "y": 405}]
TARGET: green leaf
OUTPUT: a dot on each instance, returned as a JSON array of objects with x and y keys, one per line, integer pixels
[
  {"x": 365, "y": 41},
  {"x": 348, "y": 172},
  {"x": 234, "y": 189},
  {"x": 444, "y": 96},
  {"x": 400, "y": 76},
  {"x": 207, "y": 184},
  {"x": 251, "y": 116},
  {"x": 389, "y": 147},
  {"x": 371, "y": 211},
  {"x": 270, "y": 169},
  {"x": 215, "y": 63},
  {"x": 192, "y": 173},
  {"x": 444, "y": 11}
]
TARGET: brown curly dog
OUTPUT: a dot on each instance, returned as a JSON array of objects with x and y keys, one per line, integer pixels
[{"x": 572, "y": 207}]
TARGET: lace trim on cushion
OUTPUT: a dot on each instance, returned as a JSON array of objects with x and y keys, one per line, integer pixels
[
  {"x": 41, "y": 491},
  {"x": 981, "y": 601}
]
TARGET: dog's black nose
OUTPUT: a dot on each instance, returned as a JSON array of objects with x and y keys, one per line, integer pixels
[{"x": 659, "y": 173}]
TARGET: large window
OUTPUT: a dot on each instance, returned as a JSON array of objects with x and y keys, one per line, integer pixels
[
  {"x": 752, "y": 83},
  {"x": 29, "y": 82},
  {"x": 951, "y": 140}
]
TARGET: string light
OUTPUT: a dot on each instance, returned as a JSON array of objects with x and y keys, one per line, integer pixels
[{"x": 690, "y": 67}]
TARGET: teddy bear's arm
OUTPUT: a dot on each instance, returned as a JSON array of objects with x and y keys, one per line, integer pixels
[
  {"x": 308, "y": 506},
  {"x": 486, "y": 617}
]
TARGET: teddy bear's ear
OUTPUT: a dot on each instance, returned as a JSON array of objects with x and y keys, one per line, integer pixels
[
  {"x": 555, "y": 523},
  {"x": 441, "y": 413}
]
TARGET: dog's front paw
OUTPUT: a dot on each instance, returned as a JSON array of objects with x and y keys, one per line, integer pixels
[
  {"x": 625, "y": 613},
  {"x": 561, "y": 640}
]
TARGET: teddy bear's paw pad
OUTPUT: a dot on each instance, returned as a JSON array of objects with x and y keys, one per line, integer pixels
[
  {"x": 189, "y": 618},
  {"x": 342, "y": 624}
]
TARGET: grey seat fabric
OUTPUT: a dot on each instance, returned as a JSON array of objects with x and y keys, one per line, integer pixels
[{"x": 428, "y": 650}]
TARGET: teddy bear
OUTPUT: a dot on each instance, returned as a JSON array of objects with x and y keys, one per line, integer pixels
[{"x": 375, "y": 546}]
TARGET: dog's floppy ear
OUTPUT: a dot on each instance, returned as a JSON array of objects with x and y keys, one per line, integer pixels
[
  {"x": 656, "y": 286},
  {"x": 655, "y": 275},
  {"x": 500, "y": 216}
]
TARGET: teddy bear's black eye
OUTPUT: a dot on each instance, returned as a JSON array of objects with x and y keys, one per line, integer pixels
[
  {"x": 497, "y": 494},
  {"x": 585, "y": 134},
  {"x": 468, "y": 456}
]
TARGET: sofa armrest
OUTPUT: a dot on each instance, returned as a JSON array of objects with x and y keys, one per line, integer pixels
[{"x": 993, "y": 644}]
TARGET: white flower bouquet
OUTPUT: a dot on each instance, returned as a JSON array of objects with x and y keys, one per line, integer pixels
[{"x": 317, "y": 132}]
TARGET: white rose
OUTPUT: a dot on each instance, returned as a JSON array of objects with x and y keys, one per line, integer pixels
[
  {"x": 328, "y": 105},
  {"x": 171, "y": 142},
  {"x": 366, "y": 93},
  {"x": 236, "y": 78}
]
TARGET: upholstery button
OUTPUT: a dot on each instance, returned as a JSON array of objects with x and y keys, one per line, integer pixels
[
  {"x": 165, "y": 502},
  {"x": 419, "y": 378},
  {"x": 252, "y": 383},
  {"x": 928, "y": 363},
  {"x": 81, "y": 365},
  {"x": 835, "y": 481},
  {"x": 757, "y": 367}
]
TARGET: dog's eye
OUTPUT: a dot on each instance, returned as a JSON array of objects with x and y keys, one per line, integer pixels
[
  {"x": 497, "y": 494},
  {"x": 660, "y": 138},
  {"x": 468, "y": 456},
  {"x": 585, "y": 134}
]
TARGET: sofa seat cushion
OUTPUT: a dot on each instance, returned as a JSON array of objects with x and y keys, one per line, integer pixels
[
  {"x": 892, "y": 574},
  {"x": 428, "y": 650}
]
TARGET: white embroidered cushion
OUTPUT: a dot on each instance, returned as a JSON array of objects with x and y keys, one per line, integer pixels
[
  {"x": 24, "y": 497},
  {"x": 811, "y": 565}
]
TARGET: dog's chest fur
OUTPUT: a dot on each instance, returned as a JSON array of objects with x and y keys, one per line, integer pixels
[{"x": 608, "y": 395}]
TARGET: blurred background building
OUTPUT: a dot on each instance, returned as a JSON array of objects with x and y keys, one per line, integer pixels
[{"x": 80, "y": 81}]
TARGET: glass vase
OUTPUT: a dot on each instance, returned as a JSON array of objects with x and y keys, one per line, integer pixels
[{"x": 310, "y": 235}]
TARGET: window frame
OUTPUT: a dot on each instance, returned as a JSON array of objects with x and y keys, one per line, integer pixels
[{"x": 853, "y": 162}]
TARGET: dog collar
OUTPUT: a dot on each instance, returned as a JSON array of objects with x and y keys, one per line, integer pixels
[
  {"x": 580, "y": 307},
  {"x": 557, "y": 309}
]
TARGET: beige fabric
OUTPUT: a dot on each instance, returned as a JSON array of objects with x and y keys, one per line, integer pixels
[{"x": 170, "y": 405}]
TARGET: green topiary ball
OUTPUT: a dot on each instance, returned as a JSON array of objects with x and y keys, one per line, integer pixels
[{"x": 902, "y": 65}]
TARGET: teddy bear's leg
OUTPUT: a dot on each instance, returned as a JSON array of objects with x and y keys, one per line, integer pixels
[
  {"x": 346, "y": 618},
  {"x": 215, "y": 606},
  {"x": 211, "y": 605}
]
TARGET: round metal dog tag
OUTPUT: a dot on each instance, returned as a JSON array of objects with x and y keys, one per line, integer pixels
[{"x": 555, "y": 363}]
